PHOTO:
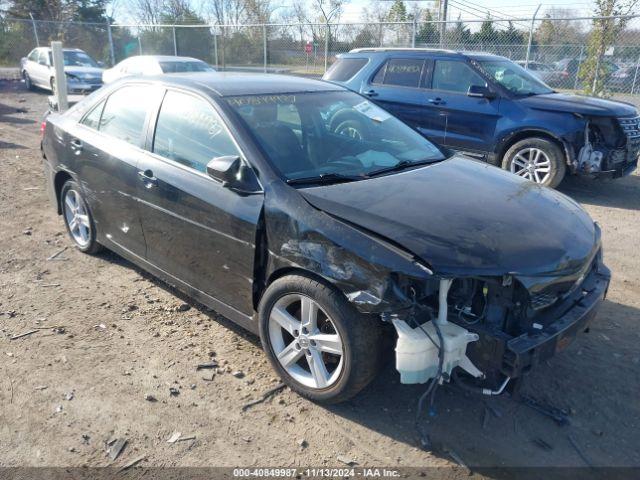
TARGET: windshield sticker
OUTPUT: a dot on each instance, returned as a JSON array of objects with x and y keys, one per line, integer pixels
[
  {"x": 368, "y": 109},
  {"x": 261, "y": 100}
]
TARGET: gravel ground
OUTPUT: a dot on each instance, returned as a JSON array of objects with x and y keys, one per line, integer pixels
[{"x": 125, "y": 339}]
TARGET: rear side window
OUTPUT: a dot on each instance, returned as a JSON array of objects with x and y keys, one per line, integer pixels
[
  {"x": 92, "y": 119},
  {"x": 189, "y": 131},
  {"x": 344, "y": 69},
  {"x": 455, "y": 76},
  {"x": 403, "y": 72},
  {"x": 124, "y": 114}
]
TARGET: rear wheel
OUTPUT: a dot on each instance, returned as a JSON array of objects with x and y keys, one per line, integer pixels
[
  {"x": 536, "y": 159},
  {"x": 78, "y": 218},
  {"x": 318, "y": 343},
  {"x": 27, "y": 81}
]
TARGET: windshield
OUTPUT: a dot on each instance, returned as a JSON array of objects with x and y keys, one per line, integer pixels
[
  {"x": 514, "y": 78},
  {"x": 330, "y": 135},
  {"x": 78, "y": 59},
  {"x": 177, "y": 67}
]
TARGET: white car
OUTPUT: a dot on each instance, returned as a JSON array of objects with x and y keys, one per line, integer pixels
[
  {"x": 154, "y": 65},
  {"x": 546, "y": 73},
  {"x": 83, "y": 73}
]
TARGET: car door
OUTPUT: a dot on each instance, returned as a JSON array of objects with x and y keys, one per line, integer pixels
[
  {"x": 40, "y": 70},
  {"x": 396, "y": 87},
  {"x": 196, "y": 229},
  {"x": 463, "y": 122},
  {"x": 107, "y": 147}
]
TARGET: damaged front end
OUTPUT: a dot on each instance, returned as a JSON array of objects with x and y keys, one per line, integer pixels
[
  {"x": 609, "y": 147},
  {"x": 510, "y": 322}
]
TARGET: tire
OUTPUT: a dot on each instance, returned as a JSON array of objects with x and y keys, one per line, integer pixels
[
  {"x": 536, "y": 159},
  {"x": 52, "y": 84},
  {"x": 83, "y": 233},
  {"x": 359, "y": 336},
  {"x": 27, "y": 81}
]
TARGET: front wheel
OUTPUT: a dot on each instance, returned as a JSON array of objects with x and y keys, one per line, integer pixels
[
  {"x": 536, "y": 159},
  {"x": 27, "y": 80},
  {"x": 320, "y": 345},
  {"x": 78, "y": 218}
]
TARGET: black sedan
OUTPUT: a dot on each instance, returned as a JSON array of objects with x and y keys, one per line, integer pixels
[{"x": 237, "y": 190}]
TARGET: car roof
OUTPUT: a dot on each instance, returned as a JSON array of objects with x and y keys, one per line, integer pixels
[
  {"x": 48, "y": 49},
  {"x": 431, "y": 51},
  {"x": 226, "y": 84}
]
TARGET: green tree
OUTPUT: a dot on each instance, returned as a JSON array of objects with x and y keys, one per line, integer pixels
[
  {"x": 594, "y": 71},
  {"x": 428, "y": 32},
  {"x": 459, "y": 35},
  {"x": 487, "y": 33}
]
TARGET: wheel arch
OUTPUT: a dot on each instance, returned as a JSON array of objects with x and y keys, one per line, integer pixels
[
  {"x": 59, "y": 180},
  {"x": 510, "y": 139}
]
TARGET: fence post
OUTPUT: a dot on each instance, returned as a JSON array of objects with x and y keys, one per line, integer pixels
[
  {"x": 326, "y": 46},
  {"x": 595, "y": 76},
  {"x": 413, "y": 34},
  {"x": 635, "y": 76},
  {"x": 35, "y": 30},
  {"x": 112, "y": 53},
  {"x": 215, "y": 45},
  {"x": 533, "y": 21},
  {"x": 264, "y": 45},
  {"x": 59, "y": 76},
  {"x": 175, "y": 44},
  {"x": 139, "y": 44}
]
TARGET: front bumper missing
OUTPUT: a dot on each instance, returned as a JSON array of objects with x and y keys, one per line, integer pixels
[{"x": 514, "y": 356}]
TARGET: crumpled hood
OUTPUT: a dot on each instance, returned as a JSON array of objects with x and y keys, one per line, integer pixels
[
  {"x": 84, "y": 72},
  {"x": 466, "y": 217},
  {"x": 581, "y": 104}
]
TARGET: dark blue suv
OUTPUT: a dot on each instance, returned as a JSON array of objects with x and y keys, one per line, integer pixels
[{"x": 490, "y": 108}]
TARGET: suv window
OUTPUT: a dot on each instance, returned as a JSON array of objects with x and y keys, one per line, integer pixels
[
  {"x": 125, "y": 111},
  {"x": 344, "y": 69},
  {"x": 455, "y": 76},
  {"x": 190, "y": 132},
  {"x": 403, "y": 72}
]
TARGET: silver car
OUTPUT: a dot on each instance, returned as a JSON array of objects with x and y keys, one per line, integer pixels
[
  {"x": 154, "y": 65},
  {"x": 83, "y": 73}
]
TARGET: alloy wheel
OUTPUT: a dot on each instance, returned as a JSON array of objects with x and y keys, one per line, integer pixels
[
  {"x": 77, "y": 218},
  {"x": 305, "y": 341},
  {"x": 532, "y": 164}
]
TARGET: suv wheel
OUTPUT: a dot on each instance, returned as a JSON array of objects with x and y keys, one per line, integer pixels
[
  {"x": 536, "y": 159},
  {"x": 317, "y": 342}
]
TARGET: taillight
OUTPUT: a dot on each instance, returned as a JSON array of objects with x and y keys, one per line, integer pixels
[{"x": 43, "y": 126}]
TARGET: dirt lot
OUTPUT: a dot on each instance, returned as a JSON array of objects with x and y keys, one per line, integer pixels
[{"x": 125, "y": 335}]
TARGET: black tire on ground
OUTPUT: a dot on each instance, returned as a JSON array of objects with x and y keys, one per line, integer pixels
[
  {"x": 554, "y": 154},
  {"x": 92, "y": 247},
  {"x": 360, "y": 334},
  {"x": 27, "y": 81},
  {"x": 52, "y": 83}
]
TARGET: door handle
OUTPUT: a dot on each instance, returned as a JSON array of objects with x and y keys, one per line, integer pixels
[
  {"x": 147, "y": 178},
  {"x": 436, "y": 101},
  {"x": 76, "y": 146},
  {"x": 371, "y": 93}
]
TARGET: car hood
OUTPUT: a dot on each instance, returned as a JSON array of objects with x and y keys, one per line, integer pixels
[
  {"x": 466, "y": 217},
  {"x": 562, "y": 102},
  {"x": 83, "y": 72}
]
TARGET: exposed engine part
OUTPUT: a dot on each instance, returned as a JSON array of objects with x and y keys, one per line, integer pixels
[
  {"x": 443, "y": 308},
  {"x": 483, "y": 391},
  {"x": 589, "y": 159}
]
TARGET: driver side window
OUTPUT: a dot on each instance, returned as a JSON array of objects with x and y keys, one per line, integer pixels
[{"x": 455, "y": 76}]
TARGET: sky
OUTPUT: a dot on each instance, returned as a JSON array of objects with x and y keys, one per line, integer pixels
[{"x": 476, "y": 9}]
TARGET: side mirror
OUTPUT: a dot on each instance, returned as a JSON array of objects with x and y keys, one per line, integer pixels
[
  {"x": 225, "y": 169},
  {"x": 100, "y": 63},
  {"x": 480, "y": 91}
]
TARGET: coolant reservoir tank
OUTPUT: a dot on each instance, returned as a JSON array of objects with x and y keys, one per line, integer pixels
[{"x": 417, "y": 355}]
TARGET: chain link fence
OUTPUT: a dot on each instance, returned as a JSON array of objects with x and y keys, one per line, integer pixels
[{"x": 568, "y": 53}]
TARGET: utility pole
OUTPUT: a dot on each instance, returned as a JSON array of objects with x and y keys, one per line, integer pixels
[{"x": 443, "y": 26}]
